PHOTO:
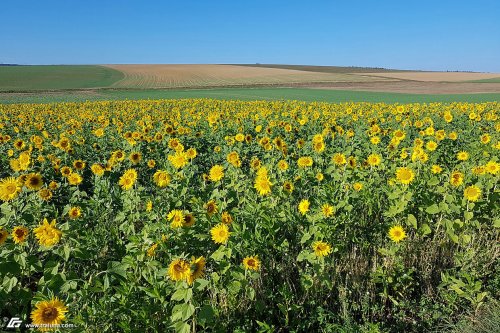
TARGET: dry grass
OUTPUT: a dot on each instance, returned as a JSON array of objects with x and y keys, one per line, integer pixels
[
  {"x": 436, "y": 76},
  {"x": 414, "y": 87},
  {"x": 177, "y": 76}
]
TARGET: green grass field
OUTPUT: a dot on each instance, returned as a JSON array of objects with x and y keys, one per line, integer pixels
[
  {"x": 302, "y": 94},
  {"x": 23, "y": 78}
]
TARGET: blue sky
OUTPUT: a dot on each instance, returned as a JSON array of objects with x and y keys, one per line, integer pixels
[{"x": 430, "y": 35}]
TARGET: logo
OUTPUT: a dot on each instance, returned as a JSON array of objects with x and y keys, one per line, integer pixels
[{"x": 14, "y": 322}]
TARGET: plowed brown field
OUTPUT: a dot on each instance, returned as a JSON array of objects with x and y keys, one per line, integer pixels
[{"x": 177, "y": 76}]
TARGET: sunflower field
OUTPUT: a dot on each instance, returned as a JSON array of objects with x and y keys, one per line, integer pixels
[{"x": 231, "y": 216}]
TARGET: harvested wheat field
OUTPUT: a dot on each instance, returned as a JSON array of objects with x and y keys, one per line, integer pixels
[{"x": 177, "y": 76}]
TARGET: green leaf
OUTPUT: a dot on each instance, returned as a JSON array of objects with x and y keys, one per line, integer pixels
[
  {"x": 179, "y": 294},
  {"x": 117, "y": 268},
  {"x": 496, "y": 223},
  {"x": 425, "y": 229},
  {"x": 433, "y": 181},
  {"x": 10, "y": 267},
  {"x": 305, "y": 238},
  {"x": 67, "y": 251},
  {"x": 452, "y": 236},
  {"x": 182, "y": 327},
  {"x": 305, "y": 255},
  {"x": 432, "y": 209},
  {"x": 468, "y": 216},
  {"x": 189, "y": 295},
  {"x": 234, "y": 287},
  {"x": 201, "y": 284},
  {"x": 457, "y": 289},
  {"x": 412, "y": 220},
  {"x": 466, "y": 238},
  {"x": 9, "y": 283},
  {"x": 219, "y": 253},
  {"x": 187, "y": 310},
  {"x": 206, "y": 314},
  {"x": 251, "y": 293}
]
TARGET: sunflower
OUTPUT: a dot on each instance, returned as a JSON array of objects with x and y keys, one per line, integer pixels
[
  {"x": 161, "y": 178},
  {"x": 191, "y": 153},
  {"x": 66, "y": 171},
  {"x": 357, "y": 187},
  {"x": 255, "y": 163},
  {"x": 492, "y": 167},
  {"x": 374, "y": 159},
  {"x": 397, "y": 233},
  {"x": 197, "y": 269},
  {"x": 173, "y": 143},
  {"x": 211, "y": 207},
  {"x": 74, "y": 179},
  {"x": 462, "y": 156},
  {"x": 485, "y": 139},
  {"x": 448, "y": 117},
  {"x": 405, "y": 175},
  {"x": 262, "y": 184},
  {"x": 320, "y": 176},
  {"x": 234, "y": 159},
  {"x": 431, "y": 145},
  {"x": 179, "y": 270},
  {"x": 472, "y": 193},
  {"x": 456, "y": 178},
  {"x": 9, "y": 188},
  {"x": 34, "y": 181},
  {"x": 178, "y": 160},
  {"x": 19, "y": 234},
  {"x": 47, "y": 234},
  {"x": 304, "y": 206},
  {"x": 48, "y": 313},
  {"x": 352, "y": 161},
  {"x": 339, "y": 159},
  {"x": 97, "y": 169},
  {"x": 479, "y": 170},
  {"x": 227, "y": 218},
  {"x": 151, "y": 164},
  {"x": 135, "y": 157},
  {"x": 375, "y": 140},
  {"x": 321, "y": 249},
  {"x": 19, "y": 144},
  {"x": 176, "y": 217},
  {"x": 216, "y": 173},
  {"x": 304, "y": 161},
  {"x": 319, "y": 146},
  {"x": 240, "y": 137},
  {"x": 45, "y": 194},
  {"x": 188, "y": 220},
  {"x": 128, "y": 179},
  {"x": 251, "y": 263},
  {"x": 3, "y": 235},
  {"x": 220, "y": 233},
  {"x": 327, "y": 210},
  {"x": 282, "y": 165},
  {"x": 436, "y": 169},
  {"x": 74, "y": 213},
  {"x": 152, "y": 250},
  {"x": 118, "y": 155},
  {"x": 64, "y": 144},
  {"x": 79, "y": 164},
  {"x": 288, "y": 186}
]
